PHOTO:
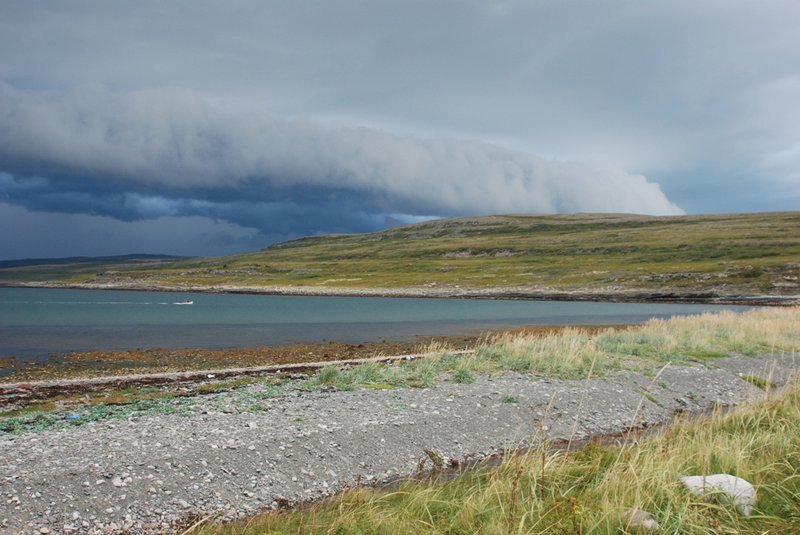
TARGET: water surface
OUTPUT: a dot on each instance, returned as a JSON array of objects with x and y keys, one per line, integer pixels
[{"x": 39, "y": 321}]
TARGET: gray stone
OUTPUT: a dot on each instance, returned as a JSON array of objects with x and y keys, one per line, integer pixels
[
  {"x": 638, "y": 521},
  {"x": 733, "y": 489}
]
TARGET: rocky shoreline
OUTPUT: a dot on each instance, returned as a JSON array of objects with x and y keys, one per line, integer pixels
[
  {"x": 231, "y": 455},
  {"x": 614, "y": 295}
]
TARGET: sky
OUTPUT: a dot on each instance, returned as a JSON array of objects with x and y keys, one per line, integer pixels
[{"x": 195, "y": 127}]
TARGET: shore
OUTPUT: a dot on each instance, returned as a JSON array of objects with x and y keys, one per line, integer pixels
[
  {"x": 232, "y": 454},
  {"x": 614, "y": 295},
  {"x": 159, "y": 457},
  {"x": 117, "y": 365}
]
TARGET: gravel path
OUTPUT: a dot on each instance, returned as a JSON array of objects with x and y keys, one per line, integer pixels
[{"x": 149, "y": 474}]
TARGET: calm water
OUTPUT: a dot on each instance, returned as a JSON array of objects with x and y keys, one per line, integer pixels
[{"x": 37, "y": 322}]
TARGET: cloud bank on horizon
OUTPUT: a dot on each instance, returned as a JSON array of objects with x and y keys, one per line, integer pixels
[
  {"x": 167, "y": 152},
  {"x": 210, "y": 130}
]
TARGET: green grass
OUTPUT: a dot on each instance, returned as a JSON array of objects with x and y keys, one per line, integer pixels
[
  {"x": 758, "y": 381},
  {"x": 587, "y": 491},
  {"x": 67, "y": 411},
  {"x": 61, "y": 419},
  {"x": 462, "y": 376},
  {"x": 725, "y": 254},
  {"x": 543, "y": 491}
]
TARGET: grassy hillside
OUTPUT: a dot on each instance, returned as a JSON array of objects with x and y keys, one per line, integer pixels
[{"x": 724, "y": 255}]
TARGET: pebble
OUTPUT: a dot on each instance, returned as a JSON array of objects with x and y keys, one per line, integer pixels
[{"x": 304, "y": 445}]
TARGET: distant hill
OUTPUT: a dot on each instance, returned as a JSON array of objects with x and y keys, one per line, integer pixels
[
  {"x": 87, "y": 260},
  {"x": 609, "y": 255}
]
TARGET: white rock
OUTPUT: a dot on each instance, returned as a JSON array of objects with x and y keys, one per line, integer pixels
[
  {"x": 737, "y": 490},
  {"x": 641, "y": 521}
]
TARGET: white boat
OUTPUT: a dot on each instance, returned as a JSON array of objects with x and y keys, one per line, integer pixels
[{"x": 187, "y": 302}]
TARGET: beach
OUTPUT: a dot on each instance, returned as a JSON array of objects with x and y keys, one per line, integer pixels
[{"x": 219, "y": 456}]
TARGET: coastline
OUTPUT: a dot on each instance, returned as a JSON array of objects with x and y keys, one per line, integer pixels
[
  {"x": 616, "y": 295},
  {"x": 226, "y": 448}
]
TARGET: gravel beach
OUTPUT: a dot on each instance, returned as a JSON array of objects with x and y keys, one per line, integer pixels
[{"x": 218, "y": 456}]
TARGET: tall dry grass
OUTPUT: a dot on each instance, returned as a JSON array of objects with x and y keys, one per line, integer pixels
[
  {"x": 765, "y": 330},
  {"x": 574, "y": 353}
]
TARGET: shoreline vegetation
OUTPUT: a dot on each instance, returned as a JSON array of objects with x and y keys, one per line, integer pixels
[
  {"x": 726, "y": 259},
  {"x": 568, "y": 352},
  {"x": 119, "y": 365}
]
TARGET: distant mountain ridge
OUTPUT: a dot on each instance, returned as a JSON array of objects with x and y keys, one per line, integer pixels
[{"x": 87, "y": 260}]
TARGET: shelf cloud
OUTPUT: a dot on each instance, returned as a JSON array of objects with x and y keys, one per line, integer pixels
[
  {"x": 168, "y": 152},
  {"x": 280, "y": 119}
]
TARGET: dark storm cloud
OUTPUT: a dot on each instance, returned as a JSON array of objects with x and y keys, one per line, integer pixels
[
  {"x": 50, "y": 234},
  {"x": 168, "y": 152},
  {"x": 277, "y": 220}
]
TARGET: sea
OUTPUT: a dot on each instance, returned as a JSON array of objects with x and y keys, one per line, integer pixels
[{"x": 39, "y": 322}]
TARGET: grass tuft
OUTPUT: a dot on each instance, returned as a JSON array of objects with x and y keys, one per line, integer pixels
[
  {"x": 463, "y": 376},
  {"x": 758, "y": 381}
]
